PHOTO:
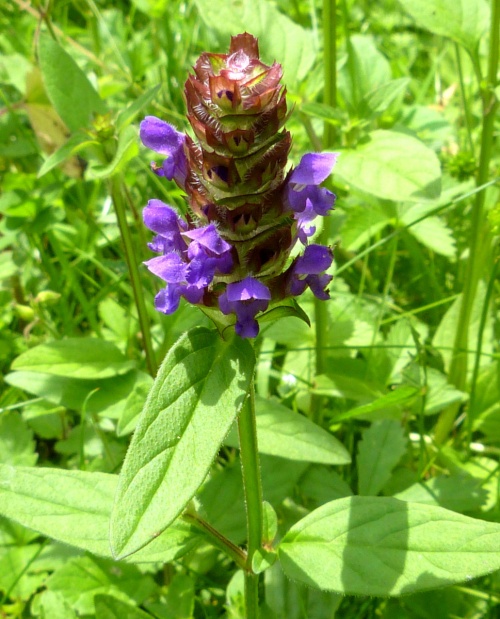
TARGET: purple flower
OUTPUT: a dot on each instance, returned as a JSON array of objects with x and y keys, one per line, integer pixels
[
  {"x": 163, "y": 220},
  {"x": 308, "y": 270},
  {"x": 245, "y": 299},
  {"x": 163, "y": 138},
  {"x": 303, "y": 184}
]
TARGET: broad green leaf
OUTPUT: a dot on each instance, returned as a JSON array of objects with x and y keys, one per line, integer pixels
[
  {"x": 16, "y": 573},
  {"x": 279, "y": 37},
  {"x": 463, "y": 21},
  {"x": 402, "y": 395},
  {"x": 51, "y": 605},
  {"x": 460, "y": 493},
  {"x": 82, "y": 578},
  {"x": 382, "y": 446},
  {"x": 436, "y": 235},
  {"x": 110, "y": 607},
  {"x": 445, "y": 333},
  {"x": 382, "y": 546},
  {"x": 320, "y": 485},
  {"x": 365, "y": 70},
  {"x": 74, "y": 507},
  {"x": 68, "y": 88},
  {"x": 179, "y": 600},
  {"x": 199, "y": 390},
  {"x": 282, "y": 432},
  {"x": 379, "y": 99},
  {"x": 87, "y": 358},
  {"x": 95, "y": 395},
  {"x": 325, "y": 112},
  {"x": 17, "y": 446},
  {"x": 126, "y": 150},
  {"x": 293, "y": 600},
  {"x": 393, "y": 166},
  {"x": 74, "y": 145}
]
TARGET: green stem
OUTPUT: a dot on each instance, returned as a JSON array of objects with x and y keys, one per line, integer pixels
[
  {"x": 119, "y": 204},
  {"x": 469, "y": 123},
  {"x": 458, "y": 366},
  {"x": 477, "y": 360},
  {"x": 329, "y": 98},
  {"x": 219, "y": 540},
  {"x": 252, "y": 486}
]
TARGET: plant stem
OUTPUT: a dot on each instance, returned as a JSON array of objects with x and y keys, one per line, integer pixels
[
  {"x": 119, "y": 204},
  {"x": 458, "y": 366},
  {"x": 219, "y": 540},
  {"x": 329, "y": 98},
  {"x": 252, "y": 486}
]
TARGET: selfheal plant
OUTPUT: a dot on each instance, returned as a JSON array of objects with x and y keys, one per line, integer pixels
[{"x": 231, "y": 255}]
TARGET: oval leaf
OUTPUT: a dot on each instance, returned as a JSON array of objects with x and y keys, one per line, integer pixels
[
  {"x": 73, "y": 507},
  {"x": 67, "y": 86},
  {"x": 393, "y": 166},
  {"x": 284, "y": 433},
  {"x": 382, "y": 546},
  {"x": 76, "y": 358},
  {"x": 200, "y": 388}
]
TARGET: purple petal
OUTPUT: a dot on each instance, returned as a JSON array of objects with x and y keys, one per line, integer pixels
[
  {"x": 170, "y": 268},
  {"x": 318, "y": 283},
  {"x": 201, "y": 271},
  {"x": 321, "y": 199},
  {"x": 161, "y": 218},
  {"x": 313, "y": 168},
  {"x": 167, "y": 300},
  {"x": 315, "y": 260},
  {"x": 209, "y": 238},
  {"x": 249, "y": 288},
  {"x": 161, "y": 137},
  {"x": 192, "y": 293}
]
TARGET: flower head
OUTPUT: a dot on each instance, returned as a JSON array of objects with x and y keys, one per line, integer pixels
[{"x": 231, "y": 254}]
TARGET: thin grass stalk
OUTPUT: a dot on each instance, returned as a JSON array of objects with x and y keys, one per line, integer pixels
[
  {"x": 458, "y": 366},
  {"x": 329, "y": 98},
  {"x": 119, "y": 204},
  {"x": 252, "y": 486}
]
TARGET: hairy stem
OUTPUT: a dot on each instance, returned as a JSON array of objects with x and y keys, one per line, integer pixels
[
  {"x": 117, "y": 194},
  {"x": 252, "y": 486},
  {"x": 217, "y": 539},
  {"x": 458, "y": 366}
]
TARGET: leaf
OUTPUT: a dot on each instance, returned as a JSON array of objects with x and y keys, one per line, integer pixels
[
  {"x": 126, "y": 150},
  {"x": 463, "y": 21},
  {"x": 445, "y": 333},
  {"x": 380, "y": 449},
  {"x": 126, "y": 116},
  {"x": 51, "y": 605},
  {"x": 382, "y": 546},
  {"x": 199, "y": 390},
  {"x": 279, "y": 37},
  {"x": 82, "y": 578},
  {"x": 320, "y": 485},
  {"x": 68, "y": 88},
  {"x": 76, "y": 143},
  {"x": 282, "y": 432},
  {"x": 398, "y": 397},
  {"x": 458, "y": 492},
  {"x": 17, "y": 573},
  {"x": 75, "y": 357},
  {"x": 393, "y": 166},
  {"x": 436, "y": 235},
  {"x": 95, "y": 395},
  {"x": 379, "y": 99},
  {"x": 74, "y": 507},
  {"x": 109, "y": 607},
  {"x": 16, "y": 441},
  {"x": 365, "y": 70}
]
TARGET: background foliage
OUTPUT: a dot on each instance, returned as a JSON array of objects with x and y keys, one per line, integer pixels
[{"x": 76, "y": 77}]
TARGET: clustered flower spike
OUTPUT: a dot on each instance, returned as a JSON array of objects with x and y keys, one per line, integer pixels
[{"x": 231, "y": 254}]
